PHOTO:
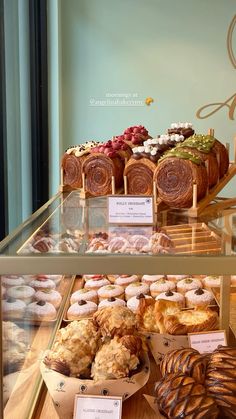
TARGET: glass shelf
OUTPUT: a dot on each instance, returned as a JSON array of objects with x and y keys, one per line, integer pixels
[{"x": 58, "y": 237}]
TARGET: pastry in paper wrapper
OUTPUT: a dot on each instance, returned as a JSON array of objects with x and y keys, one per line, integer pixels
[
  {"x": 74, "y": 348},
  {"x": 117, "y": 358},
  {"x": 115, "y": 321}
]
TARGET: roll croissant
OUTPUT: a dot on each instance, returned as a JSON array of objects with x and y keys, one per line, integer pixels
[
  {"x": 139, "y": 176},
  {"x": 175, "y": 175},
  {"x": 72, "y": 161},
  {"x": 99, "y": 169}
]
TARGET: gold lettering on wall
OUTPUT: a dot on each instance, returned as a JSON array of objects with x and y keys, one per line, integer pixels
[{"x": 208, "y": 110}]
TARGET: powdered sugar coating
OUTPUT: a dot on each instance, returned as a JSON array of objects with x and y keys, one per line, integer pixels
[
  {"x": 188, "y": 284},
  {"x": 107, "y": 303},
  {"x": 193, "y": 299},
  {"x": 135, "y": 289},
  {"x": 162, "y": 285},
  {"x": 211, "y": 281},
  {"x": 50, "y": 296},
  {"x": 110, "y": 290},
  {"x": 133, "y": 303},
  {"x": 84, "y": 294},
  {"x": 176, "y": 296},
  {"x": 23, "y": 292},
  {"x": 125, "y": 280},
  {"x": 77, "y": 311},
  {"x": 41, "y": 312},
  {"x": 95, "y": 285},
  {"x": 150, "y": 279}
]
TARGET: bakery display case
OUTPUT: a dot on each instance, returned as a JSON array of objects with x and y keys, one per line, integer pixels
[{"x": 71, "y": 236}]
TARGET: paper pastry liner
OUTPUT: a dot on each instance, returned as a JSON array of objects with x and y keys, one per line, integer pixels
[
  {"x": 63, "y": 389},
  {"x": 162, "y": 343}
]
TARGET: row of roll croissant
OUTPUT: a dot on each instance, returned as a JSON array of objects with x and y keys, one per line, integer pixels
[{"x": 173, "y": 162}]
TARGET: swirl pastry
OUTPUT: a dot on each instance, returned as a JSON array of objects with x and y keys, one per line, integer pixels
[
  {"x": 115, "y": 321},
  {"x": 221, "y": 380},
  {"x": 139, "y": 176},
  {"x": 187, "y": 361},
  {"x": 201, "y": 146},
  {"x": 99, "y": 169},
  {"x": 179, "y": 396},
  {"x": 175, "y": 175},
  {"x": 72, "y": 161}
]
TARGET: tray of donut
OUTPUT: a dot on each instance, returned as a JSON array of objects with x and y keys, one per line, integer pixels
[
  {"x": 34, "y": 299},
  {"x": 166, "y": 307}
]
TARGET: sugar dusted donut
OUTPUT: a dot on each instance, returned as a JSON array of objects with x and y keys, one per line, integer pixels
[
  {"x": 81, "y": 309},
  {"x": 112, "y": 302},
  {"x": 111, "y": 290},
  {"x": 176, "y": 278},
  {"x": 125, "y": 280},
  {"x": 211, "y": 281},
  {"x": 12, "y": 280},
  {"x": 188, "y": 284},
  {"x": 199, "y": 298},
  {"x": 23, "y": 292},
  {"x": 84, "y": 294},
  {"x": 50, "y": 296},
  {"x": 133, "y": 302},
  {"x": 160, "y": 286},
  {"x": 92, "y": 284},
  {"x": 13, "y": 308},
  {"x": 135, "y": 289},
  {"x": 150, "y": 279},
  {"x": 172, "y": 296},
  {"x": 42, "y": 283},
  {"x": 41, "y": 310}
]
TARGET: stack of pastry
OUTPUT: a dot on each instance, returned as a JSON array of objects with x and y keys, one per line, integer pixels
[
  {"x": 103, "y": 348},
  {"x": 198, "y": 386}
]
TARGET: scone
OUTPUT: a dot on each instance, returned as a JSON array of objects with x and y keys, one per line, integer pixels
[
  {"x": 113, "y": 321},
  {"x": 80, "y": 310},
  {"x": 111, "y": 291},
  {"x": 41, "y": 311}
]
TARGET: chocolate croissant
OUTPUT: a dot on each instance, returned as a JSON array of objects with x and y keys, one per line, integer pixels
[
  {"x": 187, "y": 361},
  {"x": 221, "y": 380},
  {"x": 179, "y": 396}
]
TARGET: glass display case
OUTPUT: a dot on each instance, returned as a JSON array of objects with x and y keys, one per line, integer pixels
[{"x": 70, "y": 236}]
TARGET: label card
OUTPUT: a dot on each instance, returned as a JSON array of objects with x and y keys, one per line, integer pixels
[
  {"x": 206, "y": 342},
  {"x": 130, "y": 209},
  {"x": 97, "y": 407}
]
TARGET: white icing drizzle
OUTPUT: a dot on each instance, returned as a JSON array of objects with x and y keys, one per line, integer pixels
[{"x": 80, "y": 150}]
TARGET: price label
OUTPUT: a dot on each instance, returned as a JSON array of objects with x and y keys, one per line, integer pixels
[
  {"x": 206, "y": 342},
  {"x": 130, "y": 210},
  {"x": 97, "y": 407}
]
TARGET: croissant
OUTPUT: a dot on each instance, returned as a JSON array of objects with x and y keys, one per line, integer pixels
[
  {"x": 221, "y": 380},
  {"x": 99, "y": 169},
  {"x": 179, "y": 396},
  {"x": 187, "y": 361},
  {"x": 140, "y": 176},
  {"x": 115, "y": 321},
  {"x": 175, "y": 175}
]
